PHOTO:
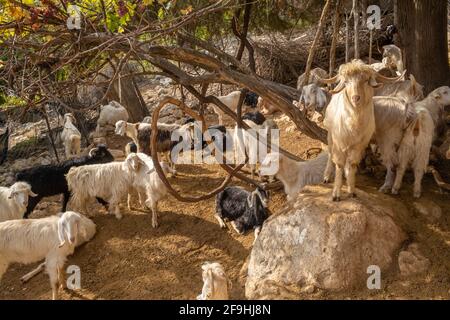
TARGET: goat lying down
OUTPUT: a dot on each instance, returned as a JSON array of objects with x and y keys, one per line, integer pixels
[
  {"x": 246, "y": 210},
  {"x": 14, "y": 201},
  {"x": 52, "y": 238},
  {"x": 216, "y": 284}
]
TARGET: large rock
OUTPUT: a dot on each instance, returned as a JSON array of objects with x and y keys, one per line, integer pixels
[
  {"x": 317, "y": 243},
  {"x": 412, "y": 261}
]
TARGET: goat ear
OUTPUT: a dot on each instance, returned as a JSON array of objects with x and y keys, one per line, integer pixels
[
  {"x": 437, "y": 95},
  {"x": 61, "y": 233}
]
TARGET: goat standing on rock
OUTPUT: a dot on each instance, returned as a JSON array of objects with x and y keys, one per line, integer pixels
[{"x": 350, "y": 120}]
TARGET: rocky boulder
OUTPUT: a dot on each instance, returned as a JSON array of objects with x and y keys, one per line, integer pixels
[{"x": 316, "y": 243}]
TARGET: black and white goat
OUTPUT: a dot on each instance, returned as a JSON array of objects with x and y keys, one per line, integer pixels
[
  {"x": 246, "y": 210},
  {"x": 50, "y": 180}
]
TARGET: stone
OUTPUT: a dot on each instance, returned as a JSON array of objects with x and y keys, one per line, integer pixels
[
  {"x": 427, "y": 208},
  {"x": 412, "y": 262},
  {"x": 316, "y": 243}
]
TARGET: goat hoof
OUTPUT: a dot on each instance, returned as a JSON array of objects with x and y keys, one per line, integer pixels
[
  {"x": 416, "y": 195},
  {"x": 325, "y": 181},
  {"x": 336, "y": 199},
  {"x": 155, "y": 225},
  {"x": 384, "y": 189},
  {"x": 394, "y": 191},
  {"x": 119, "y": 216}
]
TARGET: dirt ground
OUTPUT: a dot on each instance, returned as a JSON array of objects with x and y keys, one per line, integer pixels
[{"x": 128, "y": 259}]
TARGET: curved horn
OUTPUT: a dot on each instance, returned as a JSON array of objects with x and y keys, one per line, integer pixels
[
  {"x": 338, "y": 88},
  {"x": 384, "y": 79},
  {"x": 329, "y": 80},
  {"x": 92, "y": 151}
]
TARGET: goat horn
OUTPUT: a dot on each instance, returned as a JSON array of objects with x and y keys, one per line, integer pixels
[
  {"x": 329, "y": 80},
  {"x": 384, "y": 79},
  {"x": 338, "y": 88}
]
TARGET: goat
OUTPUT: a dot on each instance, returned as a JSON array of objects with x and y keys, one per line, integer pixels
[
  {"x": 246, "y": 210},
  {"x": 70, "y": 136},
  {"x": 314, "y": 76},
  {"x": 231, "y": 100},
  {"x": 392, "y": 117},
  {"x": 215, "y": 282},
  {"x": 350, "y": 120},
  {"x": 415, "y": 150},
  {"x": 293, "y": 174},
  {"x": 49, "y": 180},
  {"x": 256, "y": 116},
  {"x": 52, "y": 238},
  {"x": 314, "y": 98},
  {"x": 249, "y": 144},
  {"x": 408, "y": 90},
  {"x": 435, "y": 103},
  {"x": 392, "y": 60},
  {"x": 86, "y": 231},
  {"x": 149, "y": 186},
  {"x": 14, "y": 201},
  {"x": 110, "y": 114},
  {"x": 108, "y": 181}
]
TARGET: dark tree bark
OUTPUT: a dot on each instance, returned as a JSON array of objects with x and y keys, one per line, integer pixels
[{"x": 422, "y": 26}]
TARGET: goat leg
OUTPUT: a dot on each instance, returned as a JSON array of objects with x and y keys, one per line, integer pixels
[{"x": 33, "y": 273}]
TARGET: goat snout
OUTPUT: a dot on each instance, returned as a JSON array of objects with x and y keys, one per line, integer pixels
[{"x": 356, "y": 98}]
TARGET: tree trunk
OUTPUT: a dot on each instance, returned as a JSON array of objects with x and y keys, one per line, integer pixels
[
  {"x": 356, "y": 27},
  {"x": 130, "y": 97},
  {"x": 422, "y": 26},
  {"x": 315, "y": 43}
]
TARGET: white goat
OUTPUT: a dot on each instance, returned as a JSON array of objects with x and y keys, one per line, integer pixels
[
  {"x": 70, "y": 136},
  {"x": 392, "y": 60},
  {"x": 109, "y": 181},
  {"x": 215, "y": 282},
  {"x": 14, "y": 201},
  {"x": 314, "y": 98},
  {"x": 314, "y": 76},
  {"x": 52, "y": 238},
  {"x": 392, "y": 117},
  {"x": 110, "y": 114},
  {"x": 149, "y": 186},
  {"x": 86, "y": 231},
  {"x": 435, "y": 103},
  {"x": 251, "y": 143},
  {"x": 415, "y": 149},
  {"x": 408, "y": 90},
  {"x": 230, "y": 100},
  {"x": 350, "y": 120},
  {"x": 293, "y": 174}
]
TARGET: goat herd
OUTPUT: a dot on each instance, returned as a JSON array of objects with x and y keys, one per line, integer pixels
[{"x": 371, "y": 105}]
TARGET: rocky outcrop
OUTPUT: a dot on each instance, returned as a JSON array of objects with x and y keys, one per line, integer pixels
[{"x": 317, "y": 243}]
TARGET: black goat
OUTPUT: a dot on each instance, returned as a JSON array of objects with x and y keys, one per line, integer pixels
[
  {"x": 256, "y": 116},
  {"x": 251, "y": 99},
  {"x": 246, "y": 210},
  {"x": 50, "y": 180},
  {"x": 4, "y": 138}
]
